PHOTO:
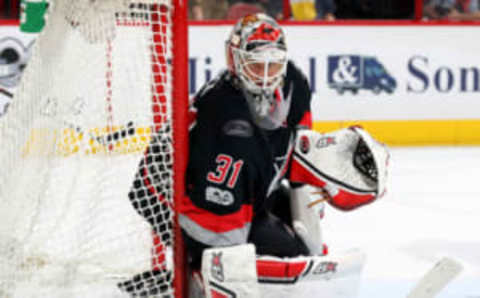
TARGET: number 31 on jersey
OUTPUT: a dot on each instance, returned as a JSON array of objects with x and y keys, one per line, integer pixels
[{"x": 225, "y": 166}]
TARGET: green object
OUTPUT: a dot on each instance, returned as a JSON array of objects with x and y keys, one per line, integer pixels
[{"x": 32, "y": 15}]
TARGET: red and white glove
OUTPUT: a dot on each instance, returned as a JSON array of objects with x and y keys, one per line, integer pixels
[{"x": 348, "y": 164}]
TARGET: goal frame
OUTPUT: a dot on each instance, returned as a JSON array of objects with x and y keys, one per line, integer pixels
[
  {"x": 47, "y": 133},
  {"x": 180, "y": 122}
]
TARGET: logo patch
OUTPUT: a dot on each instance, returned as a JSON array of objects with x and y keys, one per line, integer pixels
[
  {"x": 325, "y": 142},
  {"x": 219, "y": 196},
  {"x": 358, "y": 72},
  {"x": 304, "y": 144},
  {"x": 217, "y": 267},
  {"x": 238, "y": 128},
  {"x": 327, "y": 269}
]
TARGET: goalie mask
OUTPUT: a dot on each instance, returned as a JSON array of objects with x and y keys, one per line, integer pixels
[{"x": 257, "y": 56}]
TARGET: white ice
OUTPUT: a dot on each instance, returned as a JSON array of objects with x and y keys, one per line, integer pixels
[{"x": 432, "y": 209}]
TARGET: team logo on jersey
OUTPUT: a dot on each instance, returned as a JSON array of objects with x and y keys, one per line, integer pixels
[
  {"x": 217, "y": 267},
  {"x": 304, "y": 144},
  {"x": 238, "y": 128},
  {"x": 219, "y": 196}
]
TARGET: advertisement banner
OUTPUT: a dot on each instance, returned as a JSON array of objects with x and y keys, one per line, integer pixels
[
  {"x": 409, "y": 84},
  {"x": 369, "y": 72}
]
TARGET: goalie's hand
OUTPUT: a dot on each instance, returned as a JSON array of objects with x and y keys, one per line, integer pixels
[{"x": 348, "y": 165}]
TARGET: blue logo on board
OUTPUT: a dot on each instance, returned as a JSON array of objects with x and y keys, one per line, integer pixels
[{"x": 355, "y": 72}]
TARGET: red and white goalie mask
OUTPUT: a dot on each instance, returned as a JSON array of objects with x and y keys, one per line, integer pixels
[{"x": 257, "y": 56}]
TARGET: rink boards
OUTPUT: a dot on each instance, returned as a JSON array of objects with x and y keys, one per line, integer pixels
[{"x": 407, "y": 83}]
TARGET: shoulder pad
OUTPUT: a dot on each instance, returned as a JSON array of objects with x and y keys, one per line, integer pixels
[
  {"x": 217, "y": 81},
  {"x": 295, "y": 73}
]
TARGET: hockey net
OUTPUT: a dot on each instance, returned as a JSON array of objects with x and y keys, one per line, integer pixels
[{"x": 104, "y": 77}]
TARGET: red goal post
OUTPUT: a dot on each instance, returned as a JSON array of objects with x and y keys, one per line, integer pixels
[{"x": 180, "y": 93}]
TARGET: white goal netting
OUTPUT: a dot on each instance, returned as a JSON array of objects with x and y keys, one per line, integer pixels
[{"x": 81, "y": 214}]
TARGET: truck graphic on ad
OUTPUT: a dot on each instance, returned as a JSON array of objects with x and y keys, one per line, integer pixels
[{"x": 355, "y": 72}]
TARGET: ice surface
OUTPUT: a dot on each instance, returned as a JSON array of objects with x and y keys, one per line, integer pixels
[{"x": 432, "y": 209}]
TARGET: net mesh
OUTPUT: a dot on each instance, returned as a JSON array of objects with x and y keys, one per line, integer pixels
[{"x": 81, "y": 215}]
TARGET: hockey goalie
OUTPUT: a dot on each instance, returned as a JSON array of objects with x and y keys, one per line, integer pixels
[
  {"x": 285, "y": 255},
  {"x": 259, "y": 178}
]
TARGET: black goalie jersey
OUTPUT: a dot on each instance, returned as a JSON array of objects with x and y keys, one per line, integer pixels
[{"x": 233, "y": 164}]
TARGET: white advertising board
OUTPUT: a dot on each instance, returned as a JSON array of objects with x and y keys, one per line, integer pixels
[
  {"x": 370, "y": 72},
  {"x": 361, "y": 72}
]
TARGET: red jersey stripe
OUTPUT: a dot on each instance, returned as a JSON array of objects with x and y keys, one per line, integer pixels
[{"x": 215, "y": 222}]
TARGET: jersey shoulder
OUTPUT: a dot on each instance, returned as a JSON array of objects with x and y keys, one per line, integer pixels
[
  {"x": 216, "y": 92},
  {"x": 296, "y": 75},
  {"x": 219, "y": 101},
  {"x": 297, "y": 85},
  {"x": 215, "y": 85}
]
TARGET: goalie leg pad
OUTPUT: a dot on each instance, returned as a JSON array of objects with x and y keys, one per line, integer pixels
[
  {"x": 307, "y": 213},
  {"x": 230, "y": 272},
  {"x": 349, "y": 164},
  {"x": 333, "y": 276}
]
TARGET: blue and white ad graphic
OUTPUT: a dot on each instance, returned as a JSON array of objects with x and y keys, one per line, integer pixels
[{"x": 355, "y": 72}]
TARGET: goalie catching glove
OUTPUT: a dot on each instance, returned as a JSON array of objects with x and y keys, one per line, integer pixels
[{"x": 348, "y": 164}]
